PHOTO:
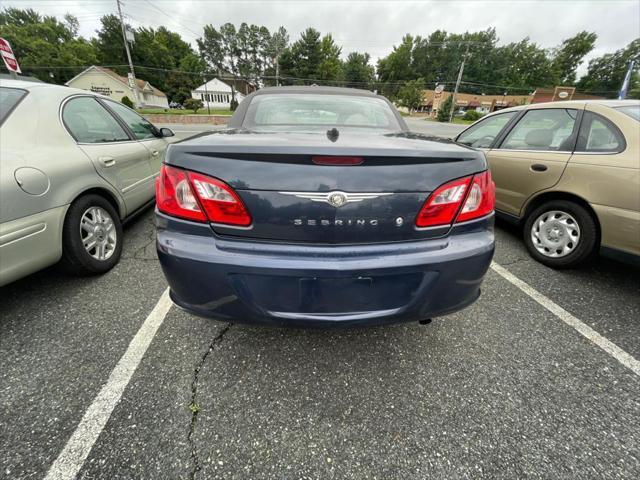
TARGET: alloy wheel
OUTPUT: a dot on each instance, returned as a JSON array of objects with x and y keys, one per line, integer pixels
[{"x": 98, "y": 233}]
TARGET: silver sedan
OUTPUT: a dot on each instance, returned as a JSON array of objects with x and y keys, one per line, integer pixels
[{"x": 73, "y": 166}]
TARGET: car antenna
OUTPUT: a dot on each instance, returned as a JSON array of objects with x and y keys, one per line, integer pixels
[{"x": 333, "y": 134}]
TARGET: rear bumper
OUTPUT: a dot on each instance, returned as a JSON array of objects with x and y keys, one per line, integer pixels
[{"x": 302, "y": 285}]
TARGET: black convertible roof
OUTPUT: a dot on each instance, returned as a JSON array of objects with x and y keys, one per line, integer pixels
[
  {"x": 316, "y": 89},
  {"x": 238, "y": 116}
]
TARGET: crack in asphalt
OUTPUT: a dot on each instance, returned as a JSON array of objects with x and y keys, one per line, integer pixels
[
  {"x": 194, "y": 407},
  {"x": 513, "y": 262}
]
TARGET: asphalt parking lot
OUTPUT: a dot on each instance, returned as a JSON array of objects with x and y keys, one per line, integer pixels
[{"x": 507, "y": 388}]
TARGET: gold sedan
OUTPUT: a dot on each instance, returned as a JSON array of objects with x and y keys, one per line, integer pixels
[{"x": 569, "y": 174}]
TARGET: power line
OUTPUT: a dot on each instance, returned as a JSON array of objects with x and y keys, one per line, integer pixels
[{"x": 292, "y": 78}]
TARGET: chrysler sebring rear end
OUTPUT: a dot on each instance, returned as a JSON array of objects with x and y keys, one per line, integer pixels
[{"x": 317, "y": 208}]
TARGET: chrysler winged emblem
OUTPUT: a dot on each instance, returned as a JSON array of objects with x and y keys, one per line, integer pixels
[{"x": 336, "y": 198}]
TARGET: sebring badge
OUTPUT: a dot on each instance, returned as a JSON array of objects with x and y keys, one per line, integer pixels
[{"x": 336, "y": 198}]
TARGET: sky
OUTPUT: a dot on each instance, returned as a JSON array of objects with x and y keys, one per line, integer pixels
[{"x": 373, "y": 26}]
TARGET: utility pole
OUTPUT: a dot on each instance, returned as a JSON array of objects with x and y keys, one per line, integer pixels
[
  {"x": 132, "y": 77},
  {"x": 278, "y": 70},
  {"x": 455, "y": 91},
  {"x": 206, "y": 94}
]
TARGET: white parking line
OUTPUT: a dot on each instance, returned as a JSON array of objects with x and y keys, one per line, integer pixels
[
  {"x": 70, "y": 460},
  {"x": 607, "y": 345}
]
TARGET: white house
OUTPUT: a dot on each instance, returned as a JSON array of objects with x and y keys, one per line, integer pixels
[
  {"x": 107, "y": 82},
  {"x": 217, "y": 93}
]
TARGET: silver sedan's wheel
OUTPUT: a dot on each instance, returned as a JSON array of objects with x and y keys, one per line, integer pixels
[
  {"x": 555, "y": 234},
  {"x": 98, "y": 233}
]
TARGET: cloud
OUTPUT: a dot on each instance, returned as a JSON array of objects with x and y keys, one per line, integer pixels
[{"x": 375, "y": 26}]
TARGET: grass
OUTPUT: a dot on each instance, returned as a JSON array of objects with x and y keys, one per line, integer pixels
[
  {"x": 456, "y": 120},
  {"x": 175, "y": 111}
]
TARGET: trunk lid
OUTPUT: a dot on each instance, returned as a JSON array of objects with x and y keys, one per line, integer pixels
[{"x": 292, "y": 199}]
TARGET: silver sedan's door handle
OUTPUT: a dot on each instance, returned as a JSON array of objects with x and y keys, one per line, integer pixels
[
  {"x": 155, "y": 153},
  {"x": 107, "y": 161}
]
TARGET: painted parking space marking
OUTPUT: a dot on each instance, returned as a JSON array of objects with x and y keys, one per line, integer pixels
[
  {"x": 75, "y": 452},
  {"x": 590, "y": 334}
]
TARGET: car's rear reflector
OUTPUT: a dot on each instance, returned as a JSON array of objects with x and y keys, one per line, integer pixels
[
  {"x": 481, "y": 198},
  {"x": 336, "y": 160},
  {"x": 197, "y": 197},
  {"x": 461, "y": 200},
  {"x": 175, "y": 197}
]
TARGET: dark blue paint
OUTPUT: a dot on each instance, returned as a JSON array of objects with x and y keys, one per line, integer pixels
[
  {"x": 248, "y": 281},
  {"x": 279, "y": 272}
]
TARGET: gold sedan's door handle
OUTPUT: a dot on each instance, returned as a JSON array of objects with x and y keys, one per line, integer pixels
[
  {"x": 155, "y": 153},
  {"x": 107, "y": 161},
  {"x": 539, "y": 167}
]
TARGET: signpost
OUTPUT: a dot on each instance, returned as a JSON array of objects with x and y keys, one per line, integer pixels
[
  {"x": 9, "y": 58},
  {"x": 625, "y": 84}
]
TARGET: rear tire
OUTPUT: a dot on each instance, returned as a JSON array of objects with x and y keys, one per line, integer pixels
[
  {"x": 561, "y": 234},
  {"x": 91, "y": 236}
]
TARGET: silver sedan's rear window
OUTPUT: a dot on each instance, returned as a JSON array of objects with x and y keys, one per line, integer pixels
[
  {"x": 9, "y": 98},
  {"x": 297, "y": 110}
]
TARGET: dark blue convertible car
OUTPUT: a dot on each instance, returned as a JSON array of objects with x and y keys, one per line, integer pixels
[{"x": 318, "y": 207}]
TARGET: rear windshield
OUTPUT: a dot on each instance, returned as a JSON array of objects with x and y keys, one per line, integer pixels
[
  {"x": 9, "y": 98},
  {"x": 286, "y": 111},
  {"x": 632, "y": 110}
]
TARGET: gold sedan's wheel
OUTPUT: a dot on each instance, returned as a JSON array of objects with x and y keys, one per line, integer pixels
[{"x": 555, "y": 234}]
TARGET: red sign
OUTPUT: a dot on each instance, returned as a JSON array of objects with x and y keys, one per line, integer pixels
[{"x": 8, "y": 56}]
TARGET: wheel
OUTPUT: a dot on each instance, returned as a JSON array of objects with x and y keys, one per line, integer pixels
[
  {"x": 561, "y": 234},
  {"x": 91, "y": 236}
]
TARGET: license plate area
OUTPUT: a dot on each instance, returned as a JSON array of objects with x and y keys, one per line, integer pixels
[{"x": 328, "y": 295}]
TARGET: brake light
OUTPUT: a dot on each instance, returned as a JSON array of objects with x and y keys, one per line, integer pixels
[
  {"x": 197, "y": 197},
  {"x": 336, "y": 160},
  {"x": 460, "y": 200}
]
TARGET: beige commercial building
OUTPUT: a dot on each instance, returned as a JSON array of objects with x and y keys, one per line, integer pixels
[
  {"x": 490, "y": 103},
  {"x": 107, "y": 82}
]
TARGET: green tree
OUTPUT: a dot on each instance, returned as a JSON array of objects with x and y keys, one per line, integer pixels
[
  {"x": 410, "y": 94},
  {"x": 44, "y": 41},
  {"x": 161, "y": 57},
  {"x": 605, "y": 74},
  {"x": 568, "y": 56},
  {"x": 109, "y": 44},
  {"x": 306, "y": 55},
  {"x": 330, "y": 67},
  {"x": 312, "y": 58},
  {"x": 278, "y": 44},
  {"x": 444, "y": 111},
  {"x": 396, "y": 68},
  {"x": 523, "y": 66},
  {"x": 357, "y": 71}
]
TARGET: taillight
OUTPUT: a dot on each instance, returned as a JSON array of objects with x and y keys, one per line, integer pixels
[
  {"x": 197, "y": 197},
  {"x": 175, "y": 197},
  {"x": 460, "y": 200},
  {"x": 481, "y": 198}
]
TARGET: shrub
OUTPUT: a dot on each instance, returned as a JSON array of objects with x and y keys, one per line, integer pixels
[
  {"x": 445, "y": 109},
  {"x": 472, "y": 115},
  {"x": 193, "y": 104},
  {"x": 127, "y": 101}
]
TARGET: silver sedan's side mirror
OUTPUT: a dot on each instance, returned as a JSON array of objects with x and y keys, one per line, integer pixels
[{"x": 166, "y": 132}]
